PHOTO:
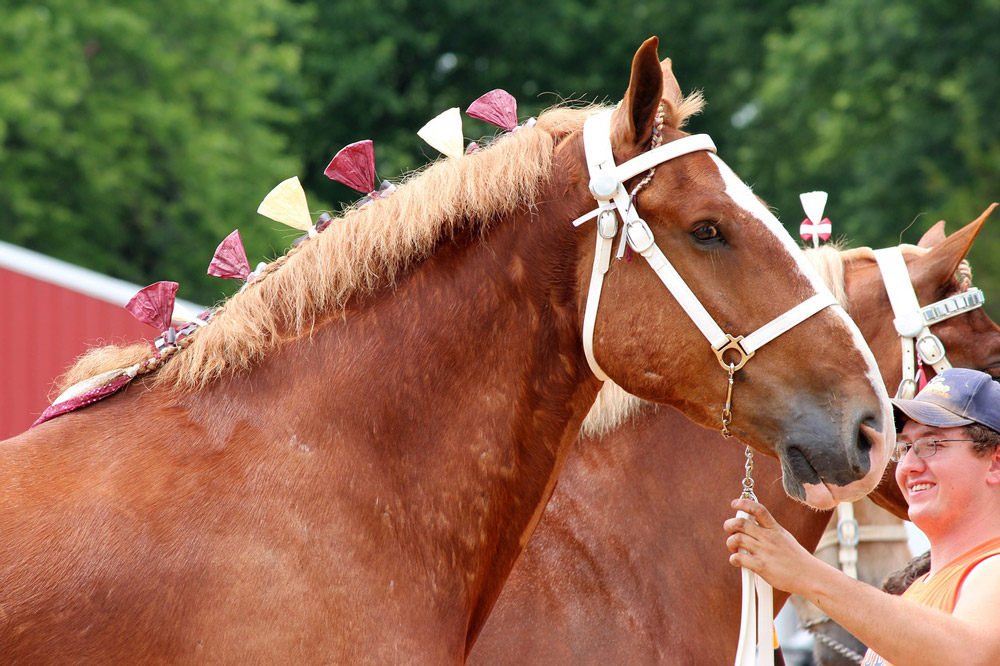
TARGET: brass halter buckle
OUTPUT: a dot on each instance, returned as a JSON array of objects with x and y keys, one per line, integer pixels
[
  {"x": 731, "y": 368},
  {"x": 733, "y": 344},
  {"x": 727, "y": 411}
]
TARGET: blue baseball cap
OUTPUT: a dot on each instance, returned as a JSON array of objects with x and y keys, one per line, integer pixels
[{"x": 955, "y": 397}]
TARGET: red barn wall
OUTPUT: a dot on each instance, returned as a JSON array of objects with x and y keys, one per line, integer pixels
[{"x": 47, "y": 325}]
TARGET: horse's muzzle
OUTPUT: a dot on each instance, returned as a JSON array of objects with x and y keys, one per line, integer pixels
[{"x": 821, "y": 476}]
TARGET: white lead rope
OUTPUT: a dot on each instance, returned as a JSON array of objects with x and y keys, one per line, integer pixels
[{"x": 756, "y": 644}]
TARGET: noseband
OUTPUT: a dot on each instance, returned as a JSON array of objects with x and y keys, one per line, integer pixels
[
  {"x": 607, "y": 186},
  {"x": 913, "y": 322}
]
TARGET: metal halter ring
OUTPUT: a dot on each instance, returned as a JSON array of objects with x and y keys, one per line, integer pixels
[
  {"x": 734, "y": 344},
  {"x": 907, "y": 389},
  {"x": 848, "y": 533},
  {"x": 607, "y": 223}
]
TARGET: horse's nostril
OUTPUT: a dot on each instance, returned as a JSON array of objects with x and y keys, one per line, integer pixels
[
  {"x": 869, "y": 424},
  {"x": 864, "y": 441}
]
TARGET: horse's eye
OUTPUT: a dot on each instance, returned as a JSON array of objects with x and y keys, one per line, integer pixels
[{"x": 706, "y": 233}]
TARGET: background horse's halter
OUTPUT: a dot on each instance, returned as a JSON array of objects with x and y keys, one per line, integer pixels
[
  {"x": 913, "y": 322},
  {"x": 849, "y": 534},
  {"x": 606, "y": 184}
]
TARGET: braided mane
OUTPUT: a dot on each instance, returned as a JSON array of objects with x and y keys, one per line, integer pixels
[{"x": 364, "y": 249}]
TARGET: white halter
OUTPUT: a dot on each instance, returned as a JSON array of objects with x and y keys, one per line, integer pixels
[
  {"x": 606, "y": 184},
  {"x": 913, "y": 322}
]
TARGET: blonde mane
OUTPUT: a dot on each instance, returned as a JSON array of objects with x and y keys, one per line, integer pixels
[
  {"x": 364, "y": 249},
  {"x": 829, "y": 261},
  {"x": 678, "y": 111}
]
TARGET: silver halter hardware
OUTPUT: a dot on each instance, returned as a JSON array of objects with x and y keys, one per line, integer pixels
[
  {"x": 606, "y": 185},
  {"x": 913, "y": 322}
]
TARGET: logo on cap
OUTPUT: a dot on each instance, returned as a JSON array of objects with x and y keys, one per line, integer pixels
[{"x": 937, "y": 386}]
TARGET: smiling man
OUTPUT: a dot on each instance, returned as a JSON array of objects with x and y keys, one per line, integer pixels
[{"x": 949, "y": 471}]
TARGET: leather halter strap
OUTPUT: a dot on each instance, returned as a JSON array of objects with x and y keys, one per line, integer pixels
[
  {"x": 913, "y": 322},
  {"x": 607, "y": 185}
]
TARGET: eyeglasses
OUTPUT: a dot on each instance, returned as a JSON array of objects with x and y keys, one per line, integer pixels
[{"x": 924, "y": 447}]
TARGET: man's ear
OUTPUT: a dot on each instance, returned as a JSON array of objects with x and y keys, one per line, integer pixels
[{"x": 993, "y": 473}]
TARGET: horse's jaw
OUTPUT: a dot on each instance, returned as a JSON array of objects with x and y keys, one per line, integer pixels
[{"x": 822, "y": 496}]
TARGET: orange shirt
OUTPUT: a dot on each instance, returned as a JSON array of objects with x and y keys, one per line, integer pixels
[{"x": 941, "y": 590}]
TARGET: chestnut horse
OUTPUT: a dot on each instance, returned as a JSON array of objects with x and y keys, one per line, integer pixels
[
  {"x": 346, "y": 462},
  {"x": 628, "y": 564}
]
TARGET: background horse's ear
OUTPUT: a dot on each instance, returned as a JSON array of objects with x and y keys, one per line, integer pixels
[
  {"x": 633, "y": 121},
  {"x": 934, "y": 236},
  {"x": 945, "y": 256},
  {"x": 671, "y": 89}
]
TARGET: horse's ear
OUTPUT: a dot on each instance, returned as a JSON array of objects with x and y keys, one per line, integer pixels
[
  {"x": 945, "y": 256},
  {"x": 934, "y": 236},
  {"x": 671, "y": 89},
  {"x": 633, "y": 121}
]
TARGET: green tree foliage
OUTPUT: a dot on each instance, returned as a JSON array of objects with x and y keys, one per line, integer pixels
[
  {"x": 889, "y": 107},
  {"x": 135, "y": 136},
  {"x": 381, "y": 69}
]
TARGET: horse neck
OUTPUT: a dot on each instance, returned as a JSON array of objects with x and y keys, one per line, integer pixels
[{"x": 480, "y": 346}]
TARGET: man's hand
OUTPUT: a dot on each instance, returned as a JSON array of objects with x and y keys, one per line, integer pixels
[{"x": 760, "y": 544}]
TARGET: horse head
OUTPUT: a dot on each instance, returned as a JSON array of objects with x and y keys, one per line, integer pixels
[
  {"x": 938, "y": 272},
  {"x": 812, "y": 394}
]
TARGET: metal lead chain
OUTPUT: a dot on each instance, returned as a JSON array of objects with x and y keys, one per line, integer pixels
[
  {"x": 748, "y": 492},
  {"x": 727, "y": 412}
]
